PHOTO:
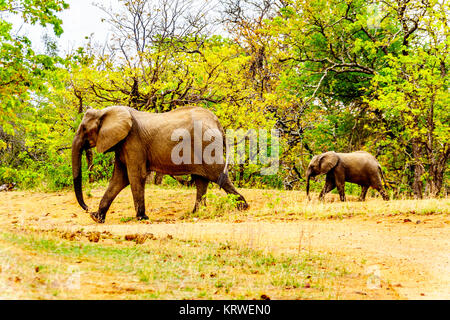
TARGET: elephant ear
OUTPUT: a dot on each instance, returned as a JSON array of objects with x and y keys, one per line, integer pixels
[
  {"x": 328, "y": 161},
  {"x": 115, "y": 125}
]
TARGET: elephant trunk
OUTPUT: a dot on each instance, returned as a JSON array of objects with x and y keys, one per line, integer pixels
[
  {"x": 77, "y": 150},
  {"x": 308, "y": 176}
]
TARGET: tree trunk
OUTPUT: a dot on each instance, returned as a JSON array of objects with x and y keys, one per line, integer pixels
[
  {"x": 437, "y": 171},
  {"x": 158, "y": 178},
  {"x": 437, "y": 159},
  {"x": 154, "y": 178},
  {"x": 150, "y": 178},
  {"x": 417, "y": 185},
  {"x": 241, "y": 175}
]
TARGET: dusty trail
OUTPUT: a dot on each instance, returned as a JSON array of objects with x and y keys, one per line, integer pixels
[
  {"x": 410, "y": 251},
  {"x": 414, "y": 260}
]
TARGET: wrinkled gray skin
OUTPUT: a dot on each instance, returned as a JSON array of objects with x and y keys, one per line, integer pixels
[
  {"x": 142, "y": 143},
  {"x": 357, "y": 167}
]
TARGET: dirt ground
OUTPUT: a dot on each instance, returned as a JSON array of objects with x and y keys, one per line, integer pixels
[{"x": 404, "y": 245}]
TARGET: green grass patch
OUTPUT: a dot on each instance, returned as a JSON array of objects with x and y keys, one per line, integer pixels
[
  {"x": 126, "y": 219},
  {"x": 217, "y": 205},
  {"x": 175, "y": 269}
]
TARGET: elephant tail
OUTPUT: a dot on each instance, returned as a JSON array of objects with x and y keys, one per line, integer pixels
[
  {"x": 224, "y": 174},
  {"x": 382, "y": 177}
]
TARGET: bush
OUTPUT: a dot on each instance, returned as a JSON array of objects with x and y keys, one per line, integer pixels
[
  {"x": 58, "y": 172},
  {"x": 24, "y": 178},
  {"x": 102, "y": 166}
]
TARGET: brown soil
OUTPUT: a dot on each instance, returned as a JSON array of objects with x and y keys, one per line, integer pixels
[{"x": 410, "y": 251}]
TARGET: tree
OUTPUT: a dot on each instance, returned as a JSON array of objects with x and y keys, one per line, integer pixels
[
  {"x": 412, "y": 92},
  {"x": 148, "y": 45},
  {"x": 353, "y": 67},
  {"x": 22, "y": 71}
]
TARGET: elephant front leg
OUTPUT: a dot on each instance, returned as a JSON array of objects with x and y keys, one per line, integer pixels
[
  {"x": 339, "y": 176},
  {"x": 329, "y": 185},
  {"x": 118, "y": 181}
]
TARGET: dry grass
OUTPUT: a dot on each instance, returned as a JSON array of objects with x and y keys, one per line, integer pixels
[
  {"x": 44, "y": 240},
  {"x": 43, "y": 266},
  {"x": 293, "y": 205},
  {"x": 165, "y": 204}
]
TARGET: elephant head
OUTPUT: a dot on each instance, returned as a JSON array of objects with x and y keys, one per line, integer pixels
[
  {"x": 102, "y": 129},
  {"x": 320, "y": 164}
]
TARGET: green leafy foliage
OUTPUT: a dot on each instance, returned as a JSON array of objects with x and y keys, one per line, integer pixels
[{"x": 329, "y": 74}]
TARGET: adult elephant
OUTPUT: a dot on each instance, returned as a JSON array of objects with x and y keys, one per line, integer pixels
[
  {"x": 143, "y": 142},
  {"x": 358, "y": 167}
]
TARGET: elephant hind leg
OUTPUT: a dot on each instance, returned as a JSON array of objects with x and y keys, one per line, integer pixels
[
  {"x": 383, "y": 193},
  {"x": 379, "y": 187},
  {"x": 202, "y": 185},
  {"x": 229, "y": 188},
  {"x": 364, "y": 189}
]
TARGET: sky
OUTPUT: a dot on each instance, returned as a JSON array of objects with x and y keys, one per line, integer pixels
[
  {"x": 83, "y": 19},
  {"x": 79, "y": 21}
]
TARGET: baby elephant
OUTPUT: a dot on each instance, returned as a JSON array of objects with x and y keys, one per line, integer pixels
[{"x": 357, "y": 167}]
